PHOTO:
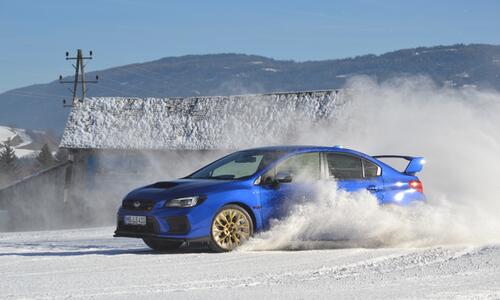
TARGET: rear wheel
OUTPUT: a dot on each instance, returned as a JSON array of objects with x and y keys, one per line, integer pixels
[
  {"x": 231, "y": 226},
  {"x": 162, "y": 245}
]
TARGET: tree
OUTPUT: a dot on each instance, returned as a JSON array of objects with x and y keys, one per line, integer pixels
[
  {"x": 8, "y": 162},
  {"x": 45, "y": 157}
]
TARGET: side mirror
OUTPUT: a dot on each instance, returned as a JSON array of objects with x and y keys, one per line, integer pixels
[{"x": 284, "y": 177}]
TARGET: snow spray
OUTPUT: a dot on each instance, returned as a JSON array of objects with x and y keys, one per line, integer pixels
[{"x": 455, "y": 129}]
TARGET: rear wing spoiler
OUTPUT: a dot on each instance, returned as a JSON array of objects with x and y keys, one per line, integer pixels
[{"x": 415, "y": 164}]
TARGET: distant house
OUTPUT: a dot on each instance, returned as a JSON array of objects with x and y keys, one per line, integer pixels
[
  {"x": 116, "y": 144},
  {"x": 120, "y": 140}
]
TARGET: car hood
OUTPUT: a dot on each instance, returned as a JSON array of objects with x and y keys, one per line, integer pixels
[{"x": 180, "y": 188}]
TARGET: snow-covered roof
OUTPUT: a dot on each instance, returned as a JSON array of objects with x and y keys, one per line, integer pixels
[{"x": 195, "y": 123}]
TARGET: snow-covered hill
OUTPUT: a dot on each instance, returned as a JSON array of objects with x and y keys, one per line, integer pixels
[
  {"x": 20, "y": 140},
  {"x": 89, "y": 263}
]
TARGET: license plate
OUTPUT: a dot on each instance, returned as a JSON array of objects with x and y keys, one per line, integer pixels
[{"x": 135, "y": 220}]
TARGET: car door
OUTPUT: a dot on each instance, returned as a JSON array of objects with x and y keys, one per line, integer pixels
[
  {"x": 354, "y": 173},
  {"x": 278, "y": 197}
]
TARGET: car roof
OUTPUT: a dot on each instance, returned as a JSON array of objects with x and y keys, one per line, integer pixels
[
  {"x": 307, "y": 148},
  {"x": 291, "y": 148}
]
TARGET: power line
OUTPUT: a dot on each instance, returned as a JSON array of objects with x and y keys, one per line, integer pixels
[
  {"x": 101, "y": 85},
  {"x": 143, "y": 75},
  {"x": 141, "y": 72},
  {"x": 45, "y": 95},
  {"x": 28, "y": 93},
  {"x": 134, "y": 86},
  {"x": 147, "y": 71}
]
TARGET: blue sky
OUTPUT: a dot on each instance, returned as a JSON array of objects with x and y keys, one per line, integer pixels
[{"x": 35, "y": 34}]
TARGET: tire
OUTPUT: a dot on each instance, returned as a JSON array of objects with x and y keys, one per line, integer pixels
[
  {"x": 231, "y": 226},
  {"x": 162, "y": 245}
]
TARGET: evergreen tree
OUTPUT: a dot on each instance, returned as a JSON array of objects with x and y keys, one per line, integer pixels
[
  {"x": 45, "y": 157},
  {"x": 8, "y": 162}
]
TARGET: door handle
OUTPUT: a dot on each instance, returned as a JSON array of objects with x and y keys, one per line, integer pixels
[{"x": 373, "y": 188}]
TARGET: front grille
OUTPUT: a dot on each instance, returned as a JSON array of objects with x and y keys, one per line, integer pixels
[
  {"x": 178, "y": 224},
  {"x": 151, "y": 226},
  {"x": 137, "y": 204}
]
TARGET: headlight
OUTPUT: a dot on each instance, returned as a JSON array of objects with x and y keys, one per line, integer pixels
[{"x": 185, "y": 202}]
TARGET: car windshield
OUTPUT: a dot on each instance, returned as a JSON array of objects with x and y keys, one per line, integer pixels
[{"x": 239, "y": 165}]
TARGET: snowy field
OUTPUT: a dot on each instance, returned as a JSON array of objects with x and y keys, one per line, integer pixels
[{"x": 90, "y": 263}]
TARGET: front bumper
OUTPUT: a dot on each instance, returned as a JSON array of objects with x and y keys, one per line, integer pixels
[
  {"x": 158, "y": 236},
  {"x": 177, "y": 225},
  {"x": 174, "y": 223}
]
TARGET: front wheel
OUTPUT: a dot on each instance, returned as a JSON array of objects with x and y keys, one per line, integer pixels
[
  {"x": 162, "y": 245},
  {"x": 231, "y": 226}
]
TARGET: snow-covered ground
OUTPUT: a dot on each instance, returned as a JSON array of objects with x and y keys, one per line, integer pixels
[{"x": 90, "y": 263}]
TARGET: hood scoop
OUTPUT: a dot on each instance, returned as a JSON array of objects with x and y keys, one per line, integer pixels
[{"x": 164, "y": 185}]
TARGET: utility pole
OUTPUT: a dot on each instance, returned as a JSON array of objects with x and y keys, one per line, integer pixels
[{"x": 79, "y": 77}]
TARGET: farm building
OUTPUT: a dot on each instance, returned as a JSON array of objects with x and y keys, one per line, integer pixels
[{"x": 116, "y": 144}]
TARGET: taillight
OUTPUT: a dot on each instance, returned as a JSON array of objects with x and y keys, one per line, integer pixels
[{"x": 416, "y": 185}]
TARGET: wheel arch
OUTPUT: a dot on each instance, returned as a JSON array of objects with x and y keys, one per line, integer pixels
[{"x": 248, "y": 210}]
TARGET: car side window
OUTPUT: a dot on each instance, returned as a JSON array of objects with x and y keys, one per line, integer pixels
[
  {"x": 304, "y": 167},
  {"x": 371, "y": 169},
  {"x": 344, "y": 166}
]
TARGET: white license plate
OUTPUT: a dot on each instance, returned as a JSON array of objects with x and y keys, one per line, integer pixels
[{"x": 135, "y": 220}]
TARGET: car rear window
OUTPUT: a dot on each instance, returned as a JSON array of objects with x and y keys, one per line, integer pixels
[
  {"x": 370, "y": 169},
  {"x": 344, "y": 166}
]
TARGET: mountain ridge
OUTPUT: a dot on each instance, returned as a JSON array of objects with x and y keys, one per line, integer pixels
[{"x": 39, "y": 106}]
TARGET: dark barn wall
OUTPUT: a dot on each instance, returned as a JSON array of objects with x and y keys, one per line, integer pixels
[
  {"x": 101, "y": 178},
  {"x": 37, "y": 201}
]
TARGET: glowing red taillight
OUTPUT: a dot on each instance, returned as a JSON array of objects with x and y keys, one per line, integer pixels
[{"x": 417, "y": 185}]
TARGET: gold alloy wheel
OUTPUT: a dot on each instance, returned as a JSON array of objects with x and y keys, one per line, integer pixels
[{"x": 230, "y": 228}]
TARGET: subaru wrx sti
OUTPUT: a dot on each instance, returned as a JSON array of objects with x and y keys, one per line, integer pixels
[{"x": 227, "y": 201}]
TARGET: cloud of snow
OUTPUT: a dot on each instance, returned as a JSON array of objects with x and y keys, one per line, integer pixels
[{"x": 456, "y": 130}]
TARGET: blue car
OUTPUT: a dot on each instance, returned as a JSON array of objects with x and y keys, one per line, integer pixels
[{"x": 225, "y": 202}]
